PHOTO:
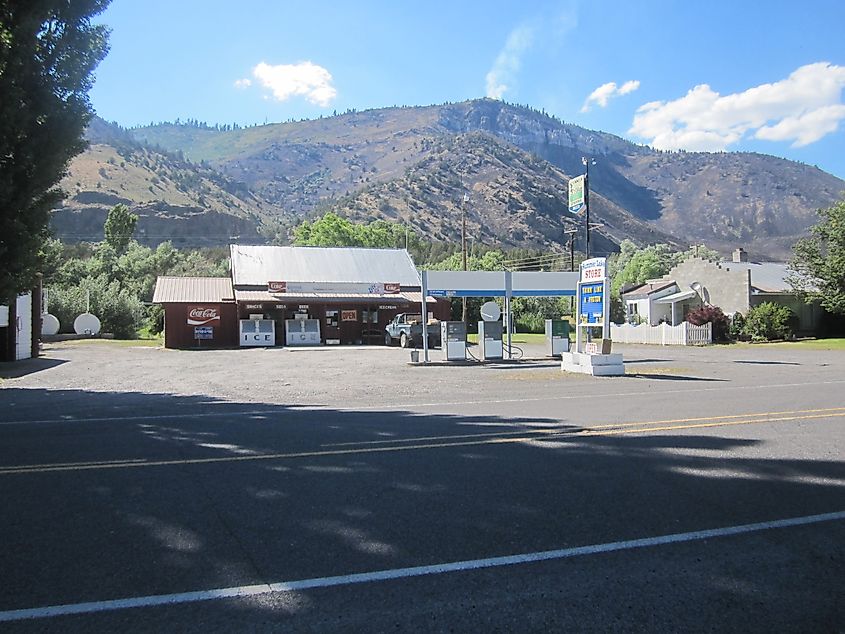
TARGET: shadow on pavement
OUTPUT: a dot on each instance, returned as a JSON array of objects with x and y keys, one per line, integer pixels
[
  {"x": 17, "y": 369},
  {"x": 133, "y": 494}
]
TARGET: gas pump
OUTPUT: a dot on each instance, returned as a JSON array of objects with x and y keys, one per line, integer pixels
[
  {"x": 557, "y": 336},
  {"x": 453, "y": 340},
  {"x": 490, "y": 340}
]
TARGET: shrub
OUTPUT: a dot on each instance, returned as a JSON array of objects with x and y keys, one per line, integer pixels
[
  {"x": 713, "y": 315},
  {"x": 768, "y": 321}
]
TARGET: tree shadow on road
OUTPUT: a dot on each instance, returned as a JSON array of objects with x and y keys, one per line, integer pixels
[{"x": 128, "y": 494}]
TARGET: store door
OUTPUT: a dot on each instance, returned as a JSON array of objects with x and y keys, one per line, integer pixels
[
  {"x": 332, "y": 327},
  {"x": 370, "y": 332}
]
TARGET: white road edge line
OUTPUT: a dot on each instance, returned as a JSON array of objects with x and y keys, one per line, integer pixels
[{"x": 404, "y": 573}]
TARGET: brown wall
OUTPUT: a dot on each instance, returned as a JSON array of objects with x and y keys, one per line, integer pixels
[{"x": 179, "y": 334}]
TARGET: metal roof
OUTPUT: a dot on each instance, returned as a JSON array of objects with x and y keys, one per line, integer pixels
[
  {"x": 674, "y": 298},
  {"x": 193, "y": 290},
  {"x": 267, "y": 297},
  {"x": 644, "y": 290},
  {"x": 766, "y": 277},
  {"x": 256, "y": 265}
]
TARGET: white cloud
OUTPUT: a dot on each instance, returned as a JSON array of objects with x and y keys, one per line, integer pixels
[
  {"x": 509, "y": 61},
  {"x": 291, "y": 80},
  {"x": 629, "y": 86},
  {"x": 802, "y": 109},
  {"x": 604, "y": 93},
  {"x": 243, "y": 83}
]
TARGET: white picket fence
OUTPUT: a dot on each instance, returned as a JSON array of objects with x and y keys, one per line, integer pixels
[{"x": 684, "y": 334}]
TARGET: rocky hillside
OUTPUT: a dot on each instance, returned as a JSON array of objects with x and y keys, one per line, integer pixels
[
  {"x": 190, "y": 204},
  {"x": 416, "y": 164}
]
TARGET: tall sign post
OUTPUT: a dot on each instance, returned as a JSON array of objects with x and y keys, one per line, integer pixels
[{"x": 593, "y": 303}]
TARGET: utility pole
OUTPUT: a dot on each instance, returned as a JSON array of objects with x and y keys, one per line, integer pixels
[
  {"x": 587, "y": 163},
  {"x": 571, "y": 233},
  {"x": 571, "y": 244},
  {"x": 464, "y": 251}
]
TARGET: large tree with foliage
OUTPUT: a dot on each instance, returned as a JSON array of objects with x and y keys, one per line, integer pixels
[
  {"x": 48, "y": 52},
  {"x": 119, "y": 227},
  {"x": 818, "y": 265}
]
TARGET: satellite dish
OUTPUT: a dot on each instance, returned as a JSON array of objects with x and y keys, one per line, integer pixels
[
  {"x": 49, "y": 325},
  {"x": 490, "y": 311},
  {"x": 86, "y": 324}
]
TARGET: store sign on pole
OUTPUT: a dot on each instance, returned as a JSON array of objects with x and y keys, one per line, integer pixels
[
  {"x": 593, "y": 295},
  {"x": 594, "y": 269},
  {"x": 203, "y": 332},
  {"x": 576, "y": 194}
]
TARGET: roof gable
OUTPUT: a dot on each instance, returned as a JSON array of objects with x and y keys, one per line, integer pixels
[{"x": 193, "y": 290}]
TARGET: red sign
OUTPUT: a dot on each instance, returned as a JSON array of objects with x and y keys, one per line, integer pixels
[
  {"x": 391, "y": 288},
  {"x": 277, "y": 287},
  {"x": 202, "y": 315}
]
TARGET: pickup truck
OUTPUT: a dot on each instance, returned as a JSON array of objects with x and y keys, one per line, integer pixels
[{"x": 407, "y": 329}]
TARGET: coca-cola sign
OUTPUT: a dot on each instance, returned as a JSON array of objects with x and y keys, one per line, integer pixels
[
  {"x": 391, "y": 288},
  {"x": 277, "y": 287},
  {"x": 202, "y": 315}
]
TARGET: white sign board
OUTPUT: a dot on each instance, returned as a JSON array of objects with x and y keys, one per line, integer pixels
[
  {"x": 357, "y": 288},
  {"x": 594, "y": 270}
]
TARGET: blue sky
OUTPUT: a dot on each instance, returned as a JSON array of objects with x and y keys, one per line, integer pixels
[{"x": 759, "y": 76}]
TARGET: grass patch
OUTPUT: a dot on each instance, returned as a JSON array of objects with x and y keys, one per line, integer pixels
[{"x": 155, "y": 342}]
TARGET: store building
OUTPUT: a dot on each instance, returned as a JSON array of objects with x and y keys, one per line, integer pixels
[
  {"x": 198, "y": 311},
  {"x": 293, "y": 296}
]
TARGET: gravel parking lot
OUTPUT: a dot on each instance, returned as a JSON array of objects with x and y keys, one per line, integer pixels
[{"x": 373, "y": 376}]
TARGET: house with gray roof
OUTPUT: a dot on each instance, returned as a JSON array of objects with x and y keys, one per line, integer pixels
[{"x": 735, "y": 286}]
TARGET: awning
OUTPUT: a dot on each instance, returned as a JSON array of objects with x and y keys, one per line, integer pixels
[{"x": 674, "y": 298}]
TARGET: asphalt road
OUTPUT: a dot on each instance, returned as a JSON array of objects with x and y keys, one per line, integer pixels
[{"x": 344, "y": 490}]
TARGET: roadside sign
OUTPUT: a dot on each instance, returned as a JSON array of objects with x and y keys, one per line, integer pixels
[
  {"x": 593, "y": 270},
  {"x": 576, "y": 194},
  {"x": 591, "y": 307},
  {"x": 203, "y": 332}
]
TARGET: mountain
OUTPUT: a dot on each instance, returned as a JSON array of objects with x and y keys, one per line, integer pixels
[
  {"x": 415, "y": 165},
  {"x": 190, "y": 204}
]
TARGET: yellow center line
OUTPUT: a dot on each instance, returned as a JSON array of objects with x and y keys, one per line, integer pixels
[
  {"x": 578, "y": 429},
  {"x": 88, "y": 466}
]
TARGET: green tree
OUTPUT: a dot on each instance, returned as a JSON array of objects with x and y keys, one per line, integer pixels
[
  {"x": 119, "y": 227},
  {"x": 644, "y": 264},
  {"x": 48, "y": 52},
  {"x": 818, "y": 265},
  {"x": 332, "y": 230}
]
